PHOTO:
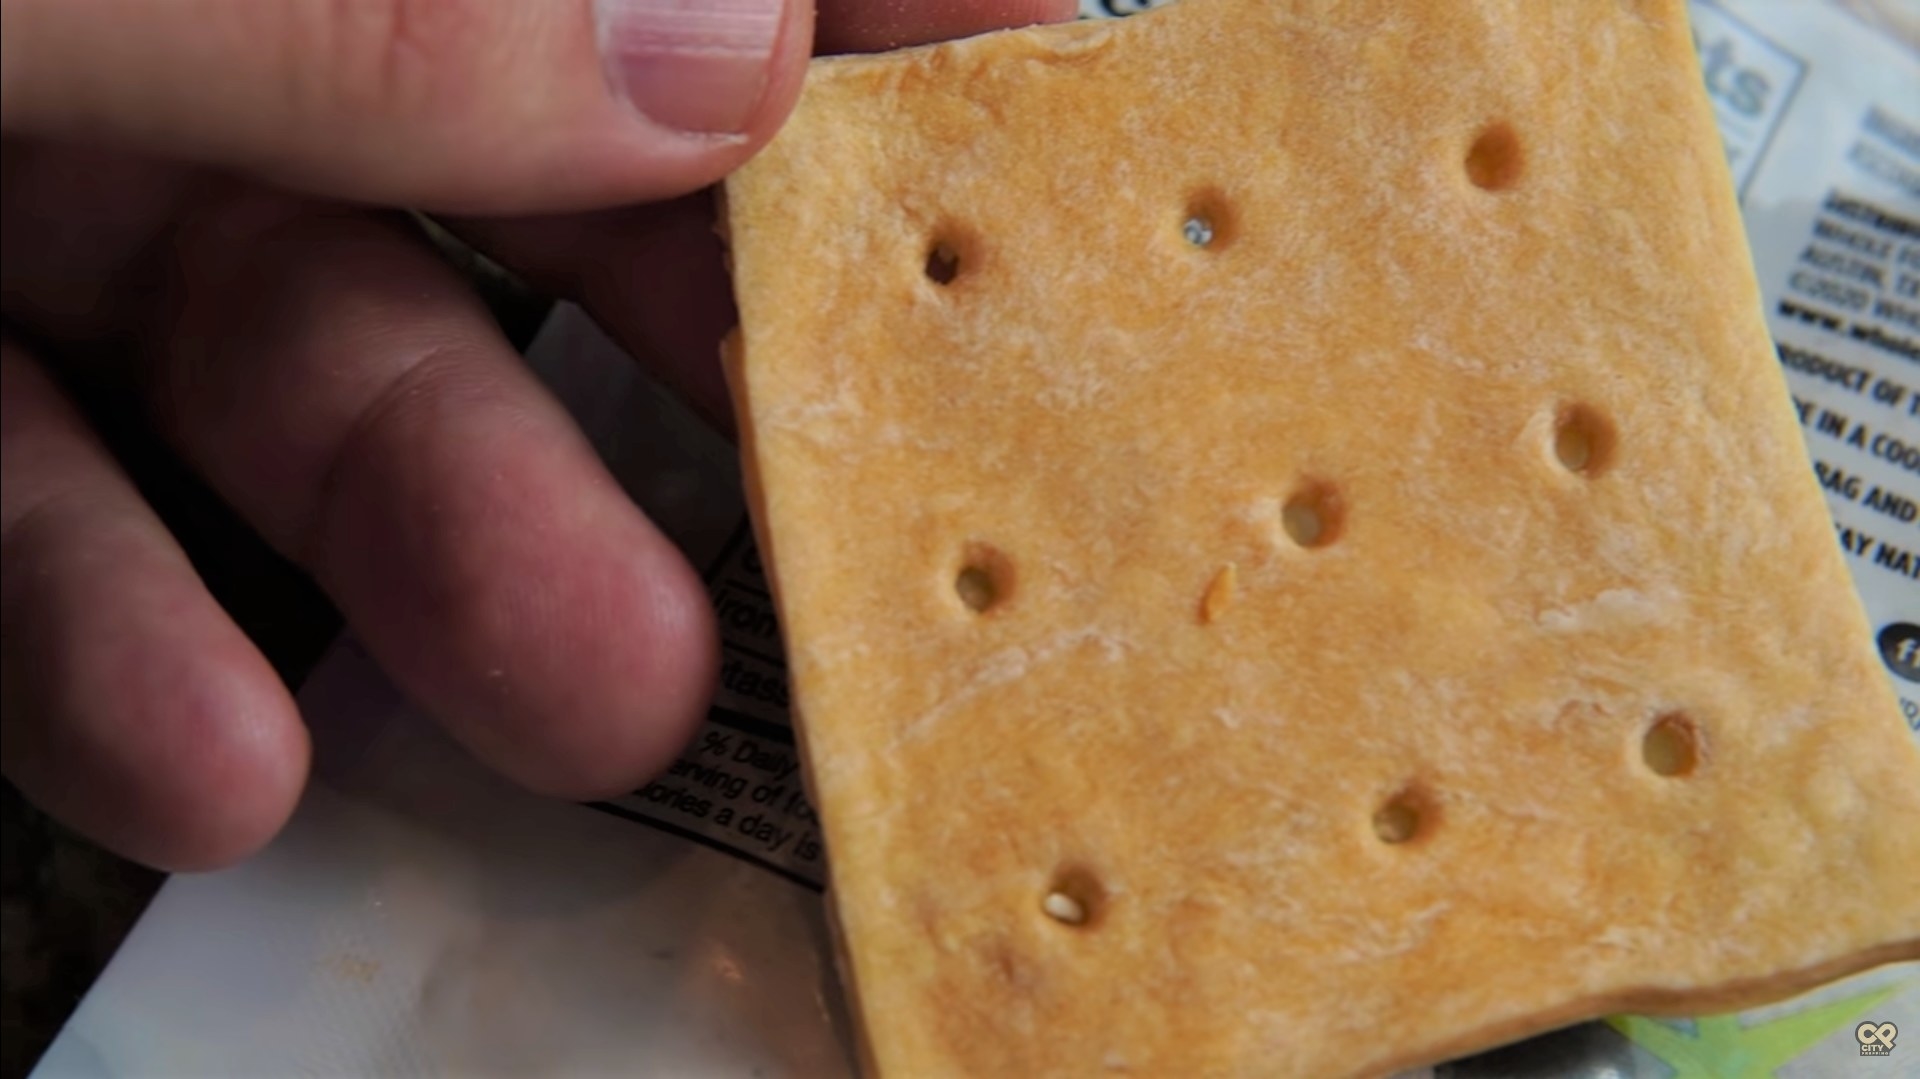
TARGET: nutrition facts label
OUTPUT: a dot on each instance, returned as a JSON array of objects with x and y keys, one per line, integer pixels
[
  {"x": 1852, "y": 304},
  {"x": 737, "y": 788},
  {"x": 753, "y": 672},
  {"x": 1751, "y": 80},
  {"x": 1834, "y": 218}
]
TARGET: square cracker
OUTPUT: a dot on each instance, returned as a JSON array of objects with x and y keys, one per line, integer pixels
[{"x": 1190, "y": 796}]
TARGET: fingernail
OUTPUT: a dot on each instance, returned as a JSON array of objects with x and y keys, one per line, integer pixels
[{"x": 692, "y": 65}]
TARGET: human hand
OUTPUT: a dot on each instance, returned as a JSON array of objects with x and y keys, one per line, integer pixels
[{"x": 187, "y": 207}]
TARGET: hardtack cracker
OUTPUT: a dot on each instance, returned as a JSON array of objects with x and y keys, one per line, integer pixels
[{"x": 1293, "y": 546}]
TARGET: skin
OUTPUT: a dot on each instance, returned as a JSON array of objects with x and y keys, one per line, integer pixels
[{"x": 191, "y": 207}]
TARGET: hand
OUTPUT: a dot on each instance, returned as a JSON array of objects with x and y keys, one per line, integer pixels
[{"x": 185, "y": 209}]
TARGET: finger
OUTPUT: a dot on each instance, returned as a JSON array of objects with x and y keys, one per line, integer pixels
[
  {"x": 873, "y": 25},
  {"x": 470, "y": 105},
  {"x": 654, "y": 277},
  {"x": 393, "y": 443},
  {"x": 135, "y": 710},
  {"x": 72, "y": 223}
]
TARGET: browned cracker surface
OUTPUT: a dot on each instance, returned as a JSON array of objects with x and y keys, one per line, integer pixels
[{"x": 1474, "y": 301}]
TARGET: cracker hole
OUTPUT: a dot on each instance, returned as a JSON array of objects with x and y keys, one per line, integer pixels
[
  {"x": 984, "y": 580},
  {"x": 1075, "y": 897},
  {"x": 1313, "y": 515},
  {"x": 975, "y": 588},
  {"x": 1583, "y": 440},
  {"x": 1671, "y": 746},
  {"x": 1208, "y": 222},
  {"x": 1495, "y": 160},
  {"x": 943, "y": 262},
  {"x": 1404, "y": 817}
]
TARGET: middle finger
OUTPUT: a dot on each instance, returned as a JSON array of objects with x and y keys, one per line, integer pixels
[{"x": 341, "y": 387}]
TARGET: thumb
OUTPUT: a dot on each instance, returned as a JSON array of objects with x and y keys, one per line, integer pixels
[{"x": 469, "y": 106}]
